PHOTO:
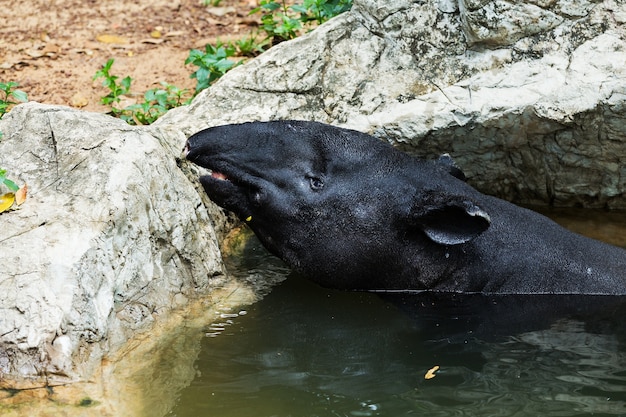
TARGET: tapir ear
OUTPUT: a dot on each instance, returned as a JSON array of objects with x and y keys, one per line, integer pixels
[
  {"x": 447, "y": 163},
  {"x": 449, "y": 220}
]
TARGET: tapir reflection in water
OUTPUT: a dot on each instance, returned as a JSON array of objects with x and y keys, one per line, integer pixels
[{"x": 349, "y": 211}]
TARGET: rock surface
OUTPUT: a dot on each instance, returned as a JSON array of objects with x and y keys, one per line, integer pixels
[
  {"x": 528, "y": 97},
  {"x": 112, "y": 237}
]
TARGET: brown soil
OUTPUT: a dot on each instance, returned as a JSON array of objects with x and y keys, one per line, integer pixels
[{"x": 52, "y": 48}]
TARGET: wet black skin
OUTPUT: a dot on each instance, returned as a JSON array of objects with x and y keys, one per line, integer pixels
[{"x": 349, "y": 211}]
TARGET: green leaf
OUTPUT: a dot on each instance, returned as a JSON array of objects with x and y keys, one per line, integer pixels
[
  {"x": 271, "y": 6},
  {"x": 10, "y": 184},
  {"x": 126, "y": 81},
  {"x": 19, "y": 95},
  {"x": 299, "y": 8}
]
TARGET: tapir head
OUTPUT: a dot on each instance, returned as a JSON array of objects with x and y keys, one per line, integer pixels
[{"x": 337, "y": 205}]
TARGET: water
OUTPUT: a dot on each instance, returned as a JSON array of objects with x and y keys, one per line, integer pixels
[{"x": 309, "y": 351}]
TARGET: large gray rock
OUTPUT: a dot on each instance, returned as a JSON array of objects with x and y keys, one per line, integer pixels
[
  {"x": 112, "y": 238},
  {"x": 528, "y": 97}
]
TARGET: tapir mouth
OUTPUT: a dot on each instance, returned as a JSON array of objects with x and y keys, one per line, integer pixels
[
  {"x": 226, "y": 183},
  {"x": 213, "y": 172},
  {"x": 223, "y": 179},
  {"x": 227, "y": 190},
  {"x": 219, "y": 176},
  {"x": 208, "y": 175}
]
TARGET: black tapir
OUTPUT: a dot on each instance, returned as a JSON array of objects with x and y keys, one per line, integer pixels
[{"x": 350, "y": 211}]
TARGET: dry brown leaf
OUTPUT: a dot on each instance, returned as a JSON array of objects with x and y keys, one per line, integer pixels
[
  {"x": 106, "y": 38},
  {"x": 35, "y": 53},
  {"x": 216, "y": 22},
  {"x": 7, "y": 65},
  {"x": 152, "y": 41},
  {"x": 79, "y": 100},
  {"x": 20, "y": 195},
  {"x": 51, "y": 49},
  {"x": 221, "y": 11},
  {"x": 174, "y": 33},
  {"x": 6, "y": 201},
  {"x": 431, "y": 372}
]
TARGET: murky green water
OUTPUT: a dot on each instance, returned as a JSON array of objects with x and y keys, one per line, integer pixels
[{"x": 308, "y": 351}]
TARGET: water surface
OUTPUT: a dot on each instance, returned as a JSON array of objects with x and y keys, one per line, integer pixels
[{"x": 309, "y": 351}]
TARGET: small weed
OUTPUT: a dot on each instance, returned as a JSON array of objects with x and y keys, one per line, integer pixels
[
  {"x": 282, "y": 22},
  {"x": 110, "y": 82},
  {"x": 7, "y": 182},
  {"x": 250, "y": 46},
  {"x": 156, "y": 102},
  {"x": 9, "y": 94},
  {"x": 214, "y": 3},
  {"x": 320, "y": 11},
  {"x": 278, "y": 20},
  {"x": 10, "y": 97},
  {"x": 212, "y": 63}
]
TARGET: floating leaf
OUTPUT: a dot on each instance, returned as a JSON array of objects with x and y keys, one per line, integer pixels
[
  {"x": 431, "y": 372},
  {"x": 6, "y": 201},
  {"x": 249, "y": 218},
  {"x": 20, "y": 195}
]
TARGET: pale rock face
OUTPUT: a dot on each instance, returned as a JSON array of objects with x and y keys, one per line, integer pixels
[
  {"x": 112, "y": 235},
  {"x": 528, "y": 97}
]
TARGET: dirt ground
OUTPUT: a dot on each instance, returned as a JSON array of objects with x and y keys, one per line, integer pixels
[{"x": 52, "y": 48}]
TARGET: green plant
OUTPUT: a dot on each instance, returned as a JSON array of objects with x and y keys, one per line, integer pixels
[
  {"x": 250, "y": 46},
  {"x": 157, "y": 102},
  {"x": 110, "y": 82},
  {"x": 212, "y": 63},
  {"x": 281, "y": 21},
  {"x": 9, "y": 94},
  {"x": 278, "y": 20},
  {"x": 322, "y": 10},
  {"x": 7, "y": 182}
]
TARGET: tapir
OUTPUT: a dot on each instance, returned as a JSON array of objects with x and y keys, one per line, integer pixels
[{"x": 350, "y": 211}]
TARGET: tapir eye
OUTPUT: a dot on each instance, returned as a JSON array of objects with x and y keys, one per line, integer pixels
[{"x": 316, "y": 183}]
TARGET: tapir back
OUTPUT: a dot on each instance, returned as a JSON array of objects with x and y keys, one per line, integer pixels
[{"x": 528, "y": 253}]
